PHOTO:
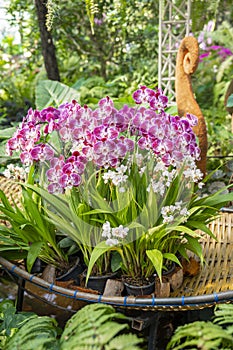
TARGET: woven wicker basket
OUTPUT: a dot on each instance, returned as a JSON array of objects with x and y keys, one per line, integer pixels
[
  {"x": 212, "y": 285},
  {"x": 12, "y": 191},
  {"x": 217, "y": 273}
]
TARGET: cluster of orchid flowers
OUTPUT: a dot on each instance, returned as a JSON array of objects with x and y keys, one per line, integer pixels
[
  {"x": 107, "y": 137},
  {"x": 172, "y": 212},
  {"x": 113, "y": 235}
]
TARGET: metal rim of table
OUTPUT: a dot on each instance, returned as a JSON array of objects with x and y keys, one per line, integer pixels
[{"x": 152, "y": 303}]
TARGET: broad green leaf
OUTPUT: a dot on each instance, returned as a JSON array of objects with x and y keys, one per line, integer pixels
[
  {"x": 98, "y": 250},
  {"x": 195, "y": 247},
  {"x": 53, "y": 93},
  {"x": 116, "y": 261},
  {"x": 216, "y": 200},
  {"x": 172, "y": 257},
  {"x": 156, "y": 257},
  {"x": 59, "y": 204},
  {"x": 133, "y": 225},
  {"x": 201, "y": 226},
  {"x": 187, "y": 230},
  {"x": 7, "y": 133},
  {"x": 33, "y": 253},
  {"x": 14, "y": 255},
  {"x": 155, "y": 229}
]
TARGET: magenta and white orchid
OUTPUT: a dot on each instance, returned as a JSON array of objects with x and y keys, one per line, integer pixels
[{"x": 104, "y": 136}]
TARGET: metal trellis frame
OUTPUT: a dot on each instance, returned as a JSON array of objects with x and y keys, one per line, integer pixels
[{"x": 174, "y": 25}]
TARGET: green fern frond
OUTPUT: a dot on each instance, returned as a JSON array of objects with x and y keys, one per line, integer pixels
[
  {"x": 206, "y": 335},
  {"x": 124, "y": 341},
  {"x": 224, "y": 315},
  {"x": 199, "y": 335},
  {"x": 94, "y": 327},
  {"x": 92, "y": 9}
]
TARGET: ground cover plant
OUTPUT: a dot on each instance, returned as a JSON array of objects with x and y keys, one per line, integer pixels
[
  {"x": 206, "y": 335},
  {"x": 95, "y": 326}
]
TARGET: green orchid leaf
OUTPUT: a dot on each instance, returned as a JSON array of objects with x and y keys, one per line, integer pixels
[
  {"x": 116, "y": 261},
  {"x": 63, "y": 225},
  {"x": 60, "y": 204},
  {"x": 14, "y": 254},
  {"x": 36, "y": 216},
  {"x": 194, "y": 246},
  {"x": 97, "y": 211},
  {"x": 216, "y": 200},
  {"x": 156, "y": 257},
  {"x": 152, "y": 209},
  {"x": 33, "y": 253},
  {"x": 5, "y": 203},
  {"x": 144, "y": 216},
  {"x": 155, "y": 229},
  {"x": 133, "y": 225},
  {"x": 65, "y": 242},
  {"x": 187, "y": 230},
  {"x": 172, "y": 257},
  {"x": 98, "y": 250},
  {"x": 200, "y": 226}
]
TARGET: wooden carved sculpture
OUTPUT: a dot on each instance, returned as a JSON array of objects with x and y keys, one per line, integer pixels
[{"x": 186, "y": 64}]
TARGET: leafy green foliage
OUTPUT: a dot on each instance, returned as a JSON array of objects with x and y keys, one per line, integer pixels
[
  {"x": 10, "y": 321},
  {"x": 202, "y": 11},
  {"x": 154, "y": 240},
  {"x": 215, "y": 72},
  {"x": 28, "y": 231},
  {"x": 95, "y": 326},
  {"x": 206, "y": 335},
  {"x": 54, "y": 93}
]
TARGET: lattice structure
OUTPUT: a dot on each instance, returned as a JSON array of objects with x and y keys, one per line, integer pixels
[{"x": 174, "y": 25}]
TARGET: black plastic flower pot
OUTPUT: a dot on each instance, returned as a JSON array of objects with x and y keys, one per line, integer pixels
[
  {"x": 98, "y": 282},
  {"x": 135, "y": 290},
  {"x": 73, "y": 273}
]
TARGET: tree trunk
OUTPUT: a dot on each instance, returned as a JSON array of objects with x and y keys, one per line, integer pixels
[{"x": 48, "y": 48}]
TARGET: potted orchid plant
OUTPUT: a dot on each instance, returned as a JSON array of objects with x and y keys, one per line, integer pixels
[{"x": 122, "y": 183}]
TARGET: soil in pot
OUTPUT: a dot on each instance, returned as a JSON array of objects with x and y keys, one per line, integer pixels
[
  {"x": 139, "y": 286},
  {"x": 72, "y": 273},
  {"x": 97, "y": 282}
]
